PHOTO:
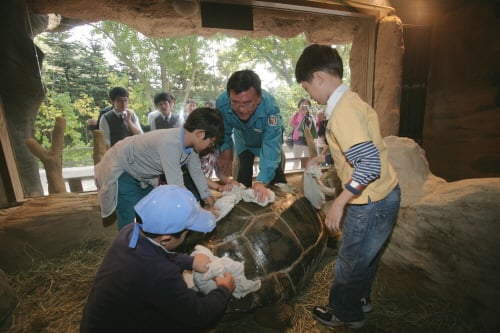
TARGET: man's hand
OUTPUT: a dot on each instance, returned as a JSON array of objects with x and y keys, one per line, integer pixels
[
  {"x": 261, "y": 192},
  {"x": 226, "y": 281},
  {"x": 200, "y": 263}
]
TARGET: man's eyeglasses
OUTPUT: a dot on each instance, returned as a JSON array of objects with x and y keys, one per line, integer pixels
[{"x": 244, "y": 105}]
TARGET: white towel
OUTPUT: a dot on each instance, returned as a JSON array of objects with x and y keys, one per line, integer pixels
[
  {"x": 204, "y": 282},
  {"x": 312, "y": 190},
  {"x": 230, "y": 198}
]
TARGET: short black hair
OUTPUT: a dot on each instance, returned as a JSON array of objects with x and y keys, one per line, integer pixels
[
  {"x": 316, "y": 58},
  {"x": 117, "y": 92},
  {"x": 243, "y": 80},
  {"x": 163, "y": 96},
  {"x": 207, "y": 119}
]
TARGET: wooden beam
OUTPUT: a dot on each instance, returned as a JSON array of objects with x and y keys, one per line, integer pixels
[{"x": 13, "y": 186}]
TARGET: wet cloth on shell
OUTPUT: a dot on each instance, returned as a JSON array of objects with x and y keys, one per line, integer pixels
[
  {"x": 230, "y": 198},
  {"x": 312, "y": 190},
  {"x": 205, "y": 283}
]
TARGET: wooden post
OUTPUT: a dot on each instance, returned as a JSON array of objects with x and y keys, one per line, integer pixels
[
  {"x": 75, "y": 184},
  {"x": 14, "y": 181}
]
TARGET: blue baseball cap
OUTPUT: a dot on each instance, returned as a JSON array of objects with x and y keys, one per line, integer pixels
[{"x": 169, "y": 209}]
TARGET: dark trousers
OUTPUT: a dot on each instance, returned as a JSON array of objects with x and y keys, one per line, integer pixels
[
  {"x": 245, "y": 171},
  {"x": 188, "y": 183}
]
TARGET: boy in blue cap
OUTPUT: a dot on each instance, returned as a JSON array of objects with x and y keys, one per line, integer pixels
[
  {"x": 139, "y": 286},
  {"x": 371, "y": 196}
]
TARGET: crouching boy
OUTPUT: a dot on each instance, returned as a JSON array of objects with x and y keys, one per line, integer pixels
[{"x": 139, "y": 286}]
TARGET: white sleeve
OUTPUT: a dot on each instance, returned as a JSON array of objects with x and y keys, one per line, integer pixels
[
  {"x": 136, "y": 122},
  {"x": 104, "y": 127}
]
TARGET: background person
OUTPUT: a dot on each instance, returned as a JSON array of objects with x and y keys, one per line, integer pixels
[
  {"x": 120, "y": 121},
  {"x": 139, "y": 285},
  {"x": 163, "y": 117},
  {"x": 189, "y": 107},
  {"x": 301, "y": 120},
  {"x": 253, "y": 116}
]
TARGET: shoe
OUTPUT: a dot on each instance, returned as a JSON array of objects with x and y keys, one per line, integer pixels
[
  {"x": 366, "y": 304},
  {"x": 325, "y": 316}
]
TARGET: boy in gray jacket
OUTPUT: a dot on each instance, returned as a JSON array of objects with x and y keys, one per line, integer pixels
[{"x": 132, "y": 167}]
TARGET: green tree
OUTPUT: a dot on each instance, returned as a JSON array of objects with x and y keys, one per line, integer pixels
[
  {"x": 58, "y": 105},
  {"x": 278, "y": 55},
  {"x": 160, "y": 64},
  {"x": 74, "y": 74}
]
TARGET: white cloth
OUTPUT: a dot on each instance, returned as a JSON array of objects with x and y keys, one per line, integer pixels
[
  {"x": 334, "y": 98},
  {"x": 204, "y": 282},
  {"x": 230, "y": 198},
  {"x": 312, "y": 190}
]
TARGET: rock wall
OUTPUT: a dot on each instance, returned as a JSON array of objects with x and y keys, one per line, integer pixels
[
  {"x": 447, "y": 232},
  {"x": 20, "y": 88},
  {"x": 461, "y": 129},
  {"x": 388, "y": 74}
]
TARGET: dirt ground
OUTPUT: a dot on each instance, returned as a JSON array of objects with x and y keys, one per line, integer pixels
[{"x": 52, "y": 295}]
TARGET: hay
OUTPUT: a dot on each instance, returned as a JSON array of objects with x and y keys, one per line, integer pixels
[{"x": 52, "y": 295}]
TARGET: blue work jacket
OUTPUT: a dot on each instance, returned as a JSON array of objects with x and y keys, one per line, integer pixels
[{"x": 262, "y": 134}]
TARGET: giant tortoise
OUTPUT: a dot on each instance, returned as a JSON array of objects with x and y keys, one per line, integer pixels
[{"x": 280, "y": 244}]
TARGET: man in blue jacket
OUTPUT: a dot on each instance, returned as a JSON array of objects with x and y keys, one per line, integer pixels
[{"x": 253, "y": 117}]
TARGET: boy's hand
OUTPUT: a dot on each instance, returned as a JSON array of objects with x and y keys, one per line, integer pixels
[
  {"x": 226, "y": 281},
  {"x": 228, "y": 184},
  {"x": 213, "y": 210},
  {"x": 200, "y": 263},
  {"x": 317, "y": 160},
  {"x": 210, "y": 201}
]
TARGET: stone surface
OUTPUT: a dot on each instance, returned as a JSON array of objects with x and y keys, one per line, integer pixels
[
  {"x": 412, "y": 167},
  {"x": 47, "y": 227},
  {"x": 461, "y": 129},
  {"x": 447, "y": 231}
]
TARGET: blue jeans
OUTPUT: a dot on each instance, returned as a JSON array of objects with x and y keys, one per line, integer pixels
[
  {"x": 130, "y": 192},
  {"x": 365, "y": 231}
]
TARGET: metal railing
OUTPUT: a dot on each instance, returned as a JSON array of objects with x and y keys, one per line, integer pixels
[{"x": 81, "y": 179}]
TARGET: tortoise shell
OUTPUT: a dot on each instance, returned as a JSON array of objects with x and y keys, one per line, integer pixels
[{"x": 281, "y": 244}]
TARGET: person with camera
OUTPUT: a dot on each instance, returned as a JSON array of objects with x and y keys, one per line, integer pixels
[{"x": 301, "y": 120}]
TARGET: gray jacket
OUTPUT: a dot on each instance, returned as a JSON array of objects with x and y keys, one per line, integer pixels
[{"x": 145, "y": 157}]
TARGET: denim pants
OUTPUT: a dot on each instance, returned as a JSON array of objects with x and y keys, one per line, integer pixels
[
  {"x": 365, "y": 231},
  {"x": 130, "y": 192}
]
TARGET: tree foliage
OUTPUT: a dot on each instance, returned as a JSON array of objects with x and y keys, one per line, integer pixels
[{"x": 78, "y": 75}]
